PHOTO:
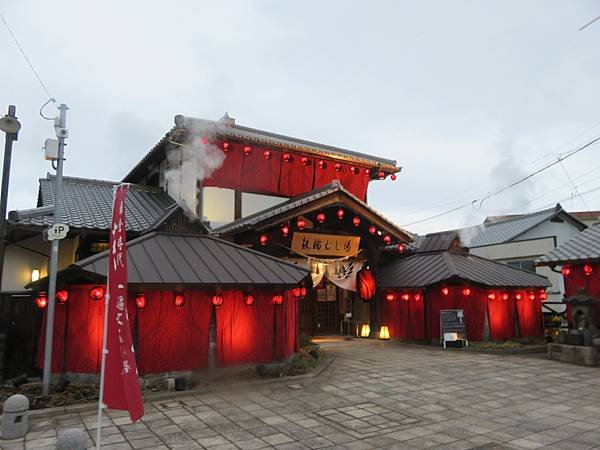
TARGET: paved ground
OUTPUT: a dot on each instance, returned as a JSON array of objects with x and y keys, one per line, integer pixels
[{"x": 374, "y": 395}]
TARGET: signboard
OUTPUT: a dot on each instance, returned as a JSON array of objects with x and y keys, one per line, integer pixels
[
  {"x": 57, "y": 231},
  {"x": 325, "y": 244},
  {"x": 452, "y": 325}
]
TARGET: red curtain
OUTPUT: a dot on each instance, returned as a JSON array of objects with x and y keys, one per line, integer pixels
[
  {"x": 261, "y": 175},
  {"x": 286, "y": 329},
  {"x": 229, "y": 175},
  {"x": 417, "y": 317},
  {"x": 58, "y": 339},
  {"x": 529, "y": 315},
  {"x": 395, "y": 315},
  {"x": 433, "y": 304},
  {"x": 474, "y": 306},
  {"x": 244, "y": 333},
  {"x": 172, "y": 338},
  {"x": 355, "y": 184},
  {"x": 296, "y": 178},
  {"x": 577, "y": 281},
  {"x": 501, "y": 317}
]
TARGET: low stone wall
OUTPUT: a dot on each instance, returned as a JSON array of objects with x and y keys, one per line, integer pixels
[{"x": 574, "y": 354}]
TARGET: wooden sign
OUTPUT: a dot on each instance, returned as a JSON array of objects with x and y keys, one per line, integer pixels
[{"x": 325, "y": 244}]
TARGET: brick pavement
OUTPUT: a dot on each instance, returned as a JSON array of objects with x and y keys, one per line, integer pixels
[{"x": 374, "y": 395}]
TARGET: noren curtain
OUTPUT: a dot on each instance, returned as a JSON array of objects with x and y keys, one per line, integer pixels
[
  {"x": 286, "y": 329},
  {"x": 405, "y": 319},
  {"x": 529, "y": 315},
  {"x": 58, "y": 339},
  {"x": 501, "y": 315}
]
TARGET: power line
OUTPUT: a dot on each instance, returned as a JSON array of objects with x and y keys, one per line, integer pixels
[{"x": 25, "y": 56}]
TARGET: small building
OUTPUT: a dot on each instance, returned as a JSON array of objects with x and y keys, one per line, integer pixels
[{"x": 499, "y": 301}]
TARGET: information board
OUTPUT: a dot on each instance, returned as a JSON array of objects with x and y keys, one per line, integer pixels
[{"x": 452, "y": 325}]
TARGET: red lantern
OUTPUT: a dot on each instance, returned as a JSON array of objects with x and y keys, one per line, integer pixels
[
  {"x": 301, "y": 224},
  {"x": 41, "y": 301},
  {"x": 588, "y": 269},
  {"x": 405, "y": 297},
  {"x": 264, "y": 239},
  {"x": 217, "y": 300},
  {"x": 531, "y": 296},
  {"x": 401, "y": 248},
  {"x": 445, "y": 291},
  {"x": 226, "y": 146},
  {"x": 466, "y": 292},
  {"x": 338, "y": 167},
  {"x": 365, "y": 284},
  {"x": 372, "y": 229},
  {"x": 566, "y": 271},
  {"x": 62, "y": 296},
  {"x": 543, "y": 295},
  {"x": 387, "y": 239},
  {"x": 390, "y": 296},
  {"x": 296, "y": 292},
  {"x": 249, "y": 299},
  {"x": 393, "y": 177},
  {"x": 247, "y": 150},
  {"x": 519, "y": 296},
  {"x": 340, "y": 213},
  {"x": 505, "y": 296},
  {"x": 417, "y": 297},
  {"x": 96, "y": 293},
  {"x": 302, "y": 292},
  {"x": 305, "y": 161},
  {"x": 285, "y": 230},
  {"x": 367, "y": 172},
  {"x": 140, "y": 301},
  {"x": 179, "y": 300},
  {"x": 321, "y": 217},
  {"x": 268, "y": 154},
  {"x": 277, "y": 299},
  {"x": 356, "y": 221},
  {"x": 381, "y": 174},
  {"x": 491, "y": 296},
  {"x": 354, "y": 170},
  {"x": 287, "y": 158},
  {"x": 322, "y": 164}
]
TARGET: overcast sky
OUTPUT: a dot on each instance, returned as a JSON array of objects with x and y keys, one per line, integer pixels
[{"x": 467, "y": 96}]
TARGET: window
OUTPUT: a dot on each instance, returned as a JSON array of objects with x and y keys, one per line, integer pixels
[
  {"x": 97, "y": 247},
  {"x": 526, "y": 264},
  {"x": 218, "y": 205},
  {"x": 253, "y": 203}
]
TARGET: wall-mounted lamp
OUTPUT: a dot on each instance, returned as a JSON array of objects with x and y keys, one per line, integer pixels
[{"x": 35, "y": 275}]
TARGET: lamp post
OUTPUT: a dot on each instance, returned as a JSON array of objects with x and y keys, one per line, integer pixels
[{"x": 10, "y": 126}]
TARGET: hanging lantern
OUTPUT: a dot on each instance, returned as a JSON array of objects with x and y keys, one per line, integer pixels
[
  {"x": 365, "y": 330},
  {"x": 588, "y": 269},
  {"x": 140, "y": 301},
  {"x": 301, "y": 224},
  {"x": 393, "y": 177},
  {"x": 287, "y": 158},
  {"x": 531, "y": 296},
  {"x": 277, "y": 299},
  {"x": 566, "y": 271},
  {"x": 296, "y": 292},
  {"x": 302, "y": 291},
  {"x": 543, "y": 295},
  {"x": 226, "y": 147},
  {"x": 405, "y": 297},
  {"x": 367, "y": 172},
  {"x": 390, "y": 297},
  {"x": 505, "y": 296},
  {"x": 41, "y": 301},
  {"x": 381, "y": 174},
  {"x": 96, "y": 293},
  {"x": 338, "y": 167},
  {"x": 354, "y": 170},
  {"x": 401, "y": 248},
  {"x": 322, "y": 164},
  {"x": 519, "y": 296},
  {"x": 356, "y": 221},
  {"x": 445, "y": 291},
  {"x": 264, "y": 239},
  {"x": 249, "y": 299},
  {"x": 62, "y": 296},
  {"x": 268, "y": 154},
  {"x": 340, "y": 213},
  {"x": 247, "y": 150},
  {"x": 365, "y": 283},
  {"x": 387, "y": 239},
  {"x": 372, "y": 229},
  {"x": 285, "y": 230},
  {"x": 491, "y": 296},
  {"x": 466, "y": 292},
  {"x": 217, "y": 299},
  {"x": 417, "y": 297},
  {"x": 305, "y": 161},
  {"x": 384, "y": 333},
  {"x": 179, "y": 300},
  {"x": 321, "y": 217}
]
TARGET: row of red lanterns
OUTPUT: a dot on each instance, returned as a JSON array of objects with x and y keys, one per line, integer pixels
[
  {"x": 405, "y": 297},
  {"x": 466, "y": 292},
  {"x": 588, "y": 270}
]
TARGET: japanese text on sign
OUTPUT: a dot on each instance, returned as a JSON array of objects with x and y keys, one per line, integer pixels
[{"x": 325, "y": 244}]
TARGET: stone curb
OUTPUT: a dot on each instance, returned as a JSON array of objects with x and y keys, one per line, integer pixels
[
  {"x": 170, "y": 395},
  {"x": 493, "y": 351}
]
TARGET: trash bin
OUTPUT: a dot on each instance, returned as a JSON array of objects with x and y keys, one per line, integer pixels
[{"x": 15, "y": 419}]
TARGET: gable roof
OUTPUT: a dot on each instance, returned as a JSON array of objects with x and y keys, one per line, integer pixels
[
  {"x": 87, "y": 204},
  {"x": 227, "y": 128},
  {"x": 500, "y": 231},
  {"x": 436, "y": 242},
  {"x": 426, "y": 269},
  {"x": 583, "y": 247},
  {"x": 289, "y": 208},
  {"x": 162, "y": 258}
]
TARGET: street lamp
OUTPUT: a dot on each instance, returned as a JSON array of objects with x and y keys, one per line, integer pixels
[{"x": 10, "y": 126}]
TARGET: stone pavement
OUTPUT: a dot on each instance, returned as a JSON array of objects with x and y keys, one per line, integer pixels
[{"x": 374, "y": 395}]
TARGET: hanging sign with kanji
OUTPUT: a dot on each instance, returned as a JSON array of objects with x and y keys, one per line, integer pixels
[{"x": 316, "y": 244}]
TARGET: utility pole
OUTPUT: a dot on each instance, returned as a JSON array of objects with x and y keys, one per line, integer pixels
[
  {"x": 60, "y": 126},
  {"x": 11, "y": 126}
]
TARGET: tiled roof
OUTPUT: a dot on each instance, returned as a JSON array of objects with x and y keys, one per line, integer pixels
[
  {"x": 227, "y": 128},
  {"x": 197, "y": 260},
  {"x": 87, "y": 204},
  {"x": 585, "y": 246},
  {"x": 296, "y": 202},
  {"x": 425, "y": 269},
  {"x": 501, "y": 231}
]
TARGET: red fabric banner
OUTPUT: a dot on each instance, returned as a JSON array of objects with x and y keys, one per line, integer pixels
[
  {"x": 58, "y": 339},
  {"x": 229, "y": 175},
  {"x": 296, "y": 178},
  {"x": 286, "y": 329},
  {"x": 261, "y": 175},
  {"x": 529, "y": 315},
  {"x": 501, "y": 315},
  {"x": 121, "y": 383},
  {"x": 474, "y": 306},
  {"x": 417, "y": 317}
]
